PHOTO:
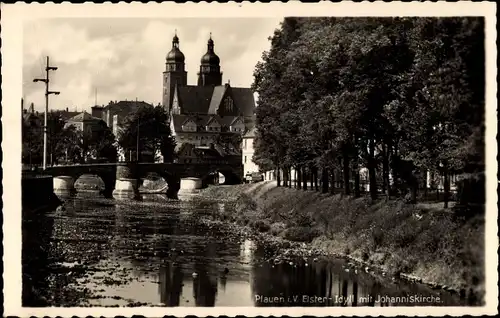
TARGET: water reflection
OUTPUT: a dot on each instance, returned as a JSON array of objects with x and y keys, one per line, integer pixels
[
  {"x": 158, "y": 252},
  {"x": 36, "y": 233},
  {"x": 171, "y": 283}
]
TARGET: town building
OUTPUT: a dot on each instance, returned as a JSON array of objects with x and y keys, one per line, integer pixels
[
  {"x": 115, "y": 112},
  {"x": 205, "y": 113},
  {"x": 248, "y": 151},
  {"x": 86, "y": 123}
]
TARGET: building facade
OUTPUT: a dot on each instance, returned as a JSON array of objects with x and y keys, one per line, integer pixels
[
  {"x": 205, "y": 113},
  {"x": 86, "y": 123},
  {"x": 248, "y": 151}
]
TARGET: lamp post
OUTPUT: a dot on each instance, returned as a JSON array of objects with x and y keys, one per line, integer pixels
[{"x": 47, "y": 93}]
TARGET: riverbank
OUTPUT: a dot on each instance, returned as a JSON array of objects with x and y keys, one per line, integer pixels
[{"x": 431, "y": 246}]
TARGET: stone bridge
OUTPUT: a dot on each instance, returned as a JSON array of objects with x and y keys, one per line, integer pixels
[{"x": 124, "y": 177}]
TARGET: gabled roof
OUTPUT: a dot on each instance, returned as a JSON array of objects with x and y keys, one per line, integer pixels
[
  {"x": 83, "y": 117},
  {"x": 67, "y": 114},
  {"x": 217, "y": 96},
  {"x": 225, "y": 120},
  {"x": 244, "y": 101},
  {"x": 204, "y": 120},
  {"x": 236, "y": 119},
  {"x": 212, "y": 119},
  {"x": 126, "y": 104},
  {"x": 189, "y": 119},
  {"x": 194, "y": 99},
  {"x": 178, "y": 121},
  {"x": 250, "y": 133}
]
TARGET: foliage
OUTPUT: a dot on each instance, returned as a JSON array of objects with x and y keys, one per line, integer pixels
[
  {"x": 148, "y": 130},
  {"x": 395, "y": 95},
  {"x": 65, "y": 143}
]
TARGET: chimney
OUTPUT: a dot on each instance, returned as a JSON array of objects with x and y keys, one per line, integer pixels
[
  {"x": 32, "y": 108},
  {"x": 67, "y": 109},
  {"x": 22, "y": 103}
]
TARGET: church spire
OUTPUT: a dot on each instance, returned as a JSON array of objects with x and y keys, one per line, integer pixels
[{"x": 210, "y": 74}]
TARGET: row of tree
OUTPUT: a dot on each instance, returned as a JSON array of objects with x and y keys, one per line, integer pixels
[
  {"x": 65, "y": 143},
  {"x": 145, "y": 131},
  {"x": 394, "y": 95}
]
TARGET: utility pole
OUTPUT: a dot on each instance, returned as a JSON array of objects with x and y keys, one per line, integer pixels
[
  {"x": 47, "y": 93},
  {"x": 138, "y": 130}
]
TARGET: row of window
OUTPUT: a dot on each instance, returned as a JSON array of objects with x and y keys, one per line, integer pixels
[
  {"x": 195, "y": 138},
  {"x": 212, "y": 129}
]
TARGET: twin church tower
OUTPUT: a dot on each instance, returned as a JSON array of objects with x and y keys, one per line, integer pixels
[{"x": 176, "y": 75}]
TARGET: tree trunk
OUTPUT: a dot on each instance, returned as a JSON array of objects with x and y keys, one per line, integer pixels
[
  {"x": 278, "y": 176},
  {"x": 285, "y": 176},
  {"x": 357, "y": 191},
  {"x": 289, "y": 177},
  {"x": 324, "y": 180},
  {"x": 295, "y": 178},
  {"x": 385, "y": 172},
  {"x": 371, "y": 170},
  {"x": 316, "y": 186},
  {"x": 304, "y": 178},
  {"x": 311, "y": 177},
  {"x": 345, "y": 161},
  {"x": 414, "y": 190},
  {"x": 446, "y": 186},
  {"x": 332, "y": 181},
  {"x": 299, "y": 178}
]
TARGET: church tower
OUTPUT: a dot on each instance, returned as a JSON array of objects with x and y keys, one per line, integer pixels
[
  {"x": 210, "y": 74},
  {"x": 175, "y": 73}
]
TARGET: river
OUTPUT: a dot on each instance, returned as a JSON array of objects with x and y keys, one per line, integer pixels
[{"x": 157, "y": 252}]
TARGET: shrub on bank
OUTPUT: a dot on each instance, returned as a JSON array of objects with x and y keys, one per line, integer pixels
[
  {"x": 435, "y": 245},
  {"x": 300, "y": 234}
]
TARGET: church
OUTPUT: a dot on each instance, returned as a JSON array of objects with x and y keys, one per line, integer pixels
[{"x": 201, "y": 115}]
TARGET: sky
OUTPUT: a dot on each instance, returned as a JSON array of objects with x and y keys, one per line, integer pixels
[{"x": 123, "y": 58}]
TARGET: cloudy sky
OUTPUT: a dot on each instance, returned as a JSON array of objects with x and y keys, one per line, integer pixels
[{"x": 124, "y": 58}]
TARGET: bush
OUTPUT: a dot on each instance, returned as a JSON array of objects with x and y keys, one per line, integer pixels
[
  {"x": 277, "y": 228},
  {"x": 261, "y": 226},
  {"x": 300, "y": 234}
]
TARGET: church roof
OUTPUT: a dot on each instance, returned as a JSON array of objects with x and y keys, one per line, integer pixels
[
  {"x": 243, "y": 98},
  {"x": 207, "y": 99},
  {"x": 217, "y": 96},
  {"x": 195, "y": 99}
]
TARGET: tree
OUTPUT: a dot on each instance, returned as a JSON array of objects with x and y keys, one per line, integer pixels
[
  {"x": 229, "y": 142},
  {"x": 396, "y": 95},
  {"x": 148, "y": 130},
  {"x": 100, "y": 143}
]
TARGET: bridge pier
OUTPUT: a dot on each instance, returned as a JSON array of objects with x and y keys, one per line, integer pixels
[
  {"x": 190, "y": 184},
  {"x": 125, "y": 187},
  {"x": 64, "y": 185},
  {"x": 127, "y": 183}
]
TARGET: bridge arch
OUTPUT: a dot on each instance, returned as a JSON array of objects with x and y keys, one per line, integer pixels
[
  {"x": 231, "y": 175},
  {"x": 171, "y": 178},
  {"x": 65, "y": 177}
]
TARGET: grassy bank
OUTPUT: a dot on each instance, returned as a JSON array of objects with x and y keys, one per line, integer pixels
[{"x": 429, "y": 245}]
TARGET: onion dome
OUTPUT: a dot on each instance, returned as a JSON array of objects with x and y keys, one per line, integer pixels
[
  {"x": 175, "y": 55},
  {"x": 210, "y": 57}
]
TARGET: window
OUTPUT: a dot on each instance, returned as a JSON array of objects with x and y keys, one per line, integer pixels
[
  {"x": 245, "y": 144},
  {"x": 245, "y": 159},
  {"x": 228, "y": 105}
]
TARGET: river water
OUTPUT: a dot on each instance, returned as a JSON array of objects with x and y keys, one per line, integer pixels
[{"x": 108, "y": 252}]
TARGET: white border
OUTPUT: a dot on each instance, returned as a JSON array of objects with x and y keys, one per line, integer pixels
[{"x": 13, "y": 16}]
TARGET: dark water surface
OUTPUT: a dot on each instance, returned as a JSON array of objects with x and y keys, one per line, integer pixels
[{"x": 107, "y": 252}]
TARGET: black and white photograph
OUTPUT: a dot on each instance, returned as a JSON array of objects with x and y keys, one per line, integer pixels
[{"x": 297, "y": 159}]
